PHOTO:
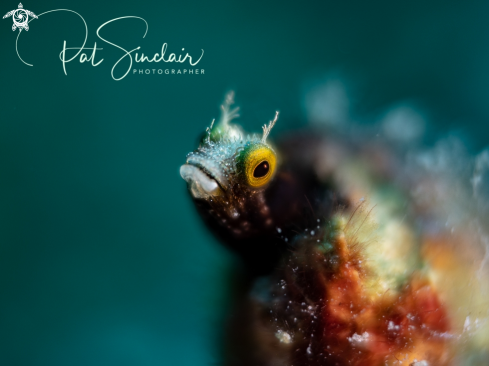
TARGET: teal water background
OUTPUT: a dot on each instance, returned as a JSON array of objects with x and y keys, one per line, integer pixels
[{"x": 103, "y": 260}]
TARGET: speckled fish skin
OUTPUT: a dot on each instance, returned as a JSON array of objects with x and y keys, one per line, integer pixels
[{"x": 358, "y": 271}]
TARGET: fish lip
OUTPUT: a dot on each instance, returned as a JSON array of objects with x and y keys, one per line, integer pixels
[
  {"x": 210, "y": 168},
  {"x": 201, "y": 185}
]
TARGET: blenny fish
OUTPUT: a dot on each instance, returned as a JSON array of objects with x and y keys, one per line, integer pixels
[{"x": 349, "y": 254}]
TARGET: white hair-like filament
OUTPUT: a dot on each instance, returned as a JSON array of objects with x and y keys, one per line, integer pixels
[
  {"x": 228, "y": 114},
  {"x": 267, "y": 129}
]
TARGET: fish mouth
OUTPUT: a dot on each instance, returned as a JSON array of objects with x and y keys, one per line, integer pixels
[{"x": 204, "y": 177}]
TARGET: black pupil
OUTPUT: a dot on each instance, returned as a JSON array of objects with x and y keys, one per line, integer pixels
[{"x": 261, "y": 170}]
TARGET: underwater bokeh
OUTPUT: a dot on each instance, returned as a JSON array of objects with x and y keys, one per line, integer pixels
[{"x": 103, "y": 259}]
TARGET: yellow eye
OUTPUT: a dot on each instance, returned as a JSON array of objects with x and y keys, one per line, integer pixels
[{"x": 258, "y": 164}]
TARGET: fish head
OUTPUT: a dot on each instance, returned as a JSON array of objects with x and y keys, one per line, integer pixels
[{"x": 228, "y": 174}]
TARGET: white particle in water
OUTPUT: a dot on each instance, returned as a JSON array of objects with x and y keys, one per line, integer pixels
[
  {"x": 467, "y": 324},
  {"x": 283, "y": 336},
  {"x": 359, "y": 339},
  {"x": 420, "y": 363},
  {"x": 392, "y": 326}
]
